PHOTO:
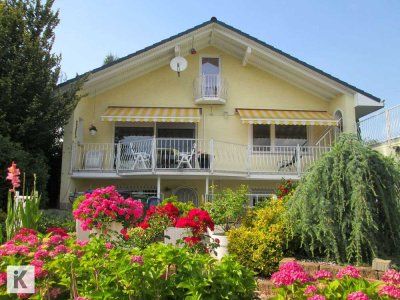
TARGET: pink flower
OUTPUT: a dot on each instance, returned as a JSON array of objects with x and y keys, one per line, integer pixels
[
  {"x": 109, "y": 245},
  {"x": 13, "y": 176},
  {"x": 311, "y": 289},
  {"x": 37, "y": 263},
  {"x": 3, "y": 278},
  {"x": 357, "y": 296},
  {"x": 316, "y": 297},
  {"x": 391, "y": 277},
  {"x": 41, "y": 254},
  {"x": 81, "y": 243},
  {"x": 323, "y": 274},
  {"x": 289, "y": 273},
  {"x": 137, "y": 259},
  {"x": 390, "y": 291},
  {"x": 348, "y": 271}
]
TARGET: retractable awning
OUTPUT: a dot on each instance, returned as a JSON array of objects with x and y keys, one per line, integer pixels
[
  {"x": 152, "y": 114},
  {"x": 286, "y": 117}
]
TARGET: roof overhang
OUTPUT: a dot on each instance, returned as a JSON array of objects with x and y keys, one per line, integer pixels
[
  {"x": 232, "y": 41},
  {"x": 365, "y": 105}
]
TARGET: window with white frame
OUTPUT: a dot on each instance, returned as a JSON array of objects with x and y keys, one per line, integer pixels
[{"x": 278, "y": 135}]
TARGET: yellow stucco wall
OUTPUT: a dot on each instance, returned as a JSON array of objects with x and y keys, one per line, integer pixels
[{"x": 249, "y": 87}]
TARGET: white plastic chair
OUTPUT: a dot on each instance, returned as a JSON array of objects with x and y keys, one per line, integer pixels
[
  {"x": 185, "y": 158},
  {"x": 93, "y": 160}
]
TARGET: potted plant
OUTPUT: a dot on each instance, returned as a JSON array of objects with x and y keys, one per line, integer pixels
[
  {"x": 227, "y": 209},
  {"x": 92, "y": 129},
  {"x": 105, "y": 211},
  {"x": 204, "y": 160}
]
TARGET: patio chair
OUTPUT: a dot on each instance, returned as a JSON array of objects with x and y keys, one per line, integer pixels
[
  {"x": 141, "y": 154},
  {"x": 93, "y": 160},
  {"x": 285, "y": 163},
  {"x": 185, "y": 158}
]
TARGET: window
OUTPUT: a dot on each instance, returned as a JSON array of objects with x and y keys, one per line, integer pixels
[
  {"x": 278, "y": 135},
  {"x": 290, "y": 135},
  {"x": 124, "y": 134},
  {"x": 261, "y": 136},
  {"x": 210, "y": 66},
  {"x": 339, "y": 117}
]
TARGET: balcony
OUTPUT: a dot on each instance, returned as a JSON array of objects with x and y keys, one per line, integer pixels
[
  {"x": 210, "y": 89},
  {"x": 192, "y": 157}
]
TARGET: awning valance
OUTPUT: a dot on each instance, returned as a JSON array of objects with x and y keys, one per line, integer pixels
[
  {"x": 286, "y": 117},
  {"x": 152, "y": 114}
]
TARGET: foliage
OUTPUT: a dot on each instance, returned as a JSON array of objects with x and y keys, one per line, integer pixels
[
  {"x": 22, "y": 211},
  {"x": 56, "y": 221},
  {"x": 33, "y": 109},
  {"x": 292, "y": 282},
  {"x": 110, "y": 57},
  {"x": 31, "y": 164},
  {"x": 347, "y": 206},
  {"x": 68, "y": 269},
  {"x": 260, "y": 241},
  {"x": 228, "y": 207}
]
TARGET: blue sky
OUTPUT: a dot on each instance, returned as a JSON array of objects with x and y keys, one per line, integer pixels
[{"x": 357, "y": 41}]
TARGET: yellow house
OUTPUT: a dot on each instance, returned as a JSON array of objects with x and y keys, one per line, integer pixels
[{"x": 208, "y": 106}]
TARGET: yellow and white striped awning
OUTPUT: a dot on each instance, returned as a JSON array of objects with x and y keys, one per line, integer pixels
[
  {"x": 152, "y": 114},
  {"x": 286, "y": 117}
]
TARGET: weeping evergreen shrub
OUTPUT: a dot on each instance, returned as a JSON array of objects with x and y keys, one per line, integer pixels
[{"x": 347, "y": 206}]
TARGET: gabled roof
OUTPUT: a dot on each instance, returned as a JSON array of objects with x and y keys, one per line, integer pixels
[{"x": 215, "y": 33}]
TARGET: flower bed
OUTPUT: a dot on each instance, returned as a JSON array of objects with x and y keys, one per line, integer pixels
[
  {"x": 293, "y": 282},
  {"x": 66, "y": 268}
]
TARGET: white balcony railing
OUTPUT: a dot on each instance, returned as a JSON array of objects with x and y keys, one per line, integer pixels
[
  {"x": 193, "y": 155},
  {"x": 210, "y": 88}
]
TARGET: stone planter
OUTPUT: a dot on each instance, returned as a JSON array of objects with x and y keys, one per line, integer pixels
[
  {"x": 174, "y": 234},
  {"x": 81, "y": 235},
  {"x": 222, "y": 250},
  {"x": 111, "y": 227}
]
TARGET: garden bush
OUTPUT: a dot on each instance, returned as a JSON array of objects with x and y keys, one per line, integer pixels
[
  {"x": 347, "y": 207},
  {"x": 65, "y": 269},
  {"x": 259, "y": 243}
]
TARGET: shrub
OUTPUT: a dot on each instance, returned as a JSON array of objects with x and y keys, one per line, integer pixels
[
  {"x": 65, "y": 222},
  {"x": 347, "y": 207},
  {"x": 228, "y": 207},
  {"x": 260, "y": 241}
]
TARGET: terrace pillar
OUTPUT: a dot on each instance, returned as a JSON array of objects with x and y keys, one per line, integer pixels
[{"x": 158, "y": 187}]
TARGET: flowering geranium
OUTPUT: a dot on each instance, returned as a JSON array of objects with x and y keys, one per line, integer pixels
[
  {"x": 198, "y": 220},
  {"x": 106, "y": 205}
]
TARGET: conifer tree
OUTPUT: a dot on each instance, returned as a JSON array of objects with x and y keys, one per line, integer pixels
[{"x": 347, "y": 207}]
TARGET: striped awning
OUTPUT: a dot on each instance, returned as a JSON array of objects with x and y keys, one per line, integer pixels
[
  {"x": 286, "y": 117},
  {"x": 152, "y": 114}
]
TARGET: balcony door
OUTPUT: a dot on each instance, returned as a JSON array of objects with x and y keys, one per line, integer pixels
[
  {"x": 210, "y": 71},
  {"x": 178, "y": 136}
]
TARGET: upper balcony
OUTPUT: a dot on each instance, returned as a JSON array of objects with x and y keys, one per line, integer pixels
[
  {"x": 210, "y": 89},
  {"x": 192, "y": 157}
]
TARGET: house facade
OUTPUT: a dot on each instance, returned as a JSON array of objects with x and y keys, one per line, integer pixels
[{"x": 233, "y": 111}]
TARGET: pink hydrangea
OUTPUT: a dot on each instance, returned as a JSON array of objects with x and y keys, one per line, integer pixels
[
  {"x": 37, "y": 263},
  {"x": 316, "y": 297},
  {"x": 390, "y": 291},
  {"x": 41, "y": 254},
  {"x": 391, "y": 277},
  {"x": 357, "y": 296},
  {"x": 311, "y": 289},
  {"x": 323, "y": 274},
  {"x": 348, "y": 271},
  {"x": 289, "y": 273},
  {"x": 137, "y": 259}
]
